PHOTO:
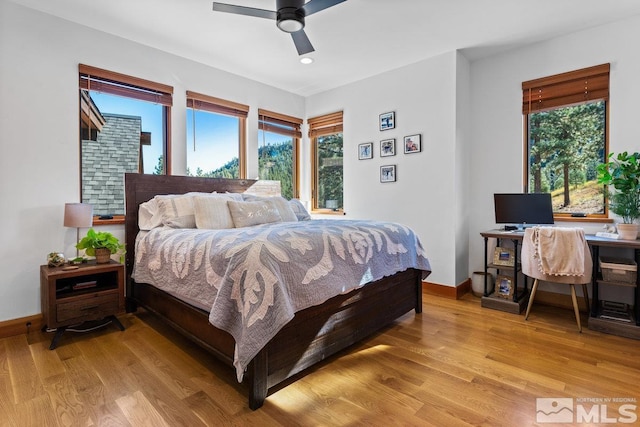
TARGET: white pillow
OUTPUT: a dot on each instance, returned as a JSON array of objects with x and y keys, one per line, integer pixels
[
  {"x": 177, "y": 210},
  {"x": 284, "y": 209},
  {"x": 246, "y": 214},
  {"x": 212, "y": 212},
  {"x": 148, "y": 215}
]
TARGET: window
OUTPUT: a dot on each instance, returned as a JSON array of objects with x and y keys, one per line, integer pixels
[
  {"x": 566, "y": 138},
  {"x": 325, "y": 133},
  {"x": 216, "y": 137},
  {"x": 278, "y": 139},
  {"x": 124, "y": 124}
]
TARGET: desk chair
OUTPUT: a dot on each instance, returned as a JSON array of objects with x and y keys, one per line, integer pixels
[{"x": 558, "y": 255}]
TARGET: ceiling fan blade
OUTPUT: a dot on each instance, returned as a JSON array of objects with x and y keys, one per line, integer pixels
[
  {"x": 243, "y": 10},
  {"x": 303, "y": 45},
  {"x": 317, "y": 5}
]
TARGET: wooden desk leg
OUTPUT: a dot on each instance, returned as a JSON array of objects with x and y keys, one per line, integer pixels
[
  {"x": 594, "y": 282},
  {"x": 515, "y": 270},
  {"x": 486, "y": 268},
  {"x": 636, "y": 293}
]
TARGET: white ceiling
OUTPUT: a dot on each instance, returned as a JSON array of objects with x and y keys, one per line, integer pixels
[{"x": 353, "y": 40}]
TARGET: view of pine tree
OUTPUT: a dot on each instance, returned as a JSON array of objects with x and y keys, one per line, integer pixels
[
  {"x": 229, "y": 170},
  {"x": 565, "y": 146},
  {"x": 275, "y": 162},
  {"x": 159, "y": 169},
  {"x": 330, "y": 173}
]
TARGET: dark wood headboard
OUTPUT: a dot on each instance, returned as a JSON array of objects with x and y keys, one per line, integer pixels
[{"x": 140, "y": 188}]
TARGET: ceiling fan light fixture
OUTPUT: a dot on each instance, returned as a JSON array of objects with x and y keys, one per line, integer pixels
[
  {"x": 306, "y": 60},
  {"x": 290, "y": 19}
]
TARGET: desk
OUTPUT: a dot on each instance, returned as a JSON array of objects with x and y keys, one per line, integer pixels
[{"x": 595, "y": 243}]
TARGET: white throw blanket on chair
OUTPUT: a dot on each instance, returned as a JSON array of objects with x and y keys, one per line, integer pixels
[{"x": 553, "y": 244}]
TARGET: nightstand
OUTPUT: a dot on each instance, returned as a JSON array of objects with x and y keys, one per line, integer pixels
[{"x": 72, "y": 297}]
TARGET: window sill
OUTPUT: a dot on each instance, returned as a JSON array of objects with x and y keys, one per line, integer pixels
[
  {"x": 587, "y": 219},
  {"x": 117, "y": 219},
  {"x": 327, "y": 212}
]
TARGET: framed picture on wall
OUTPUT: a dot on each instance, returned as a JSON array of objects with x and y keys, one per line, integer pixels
[
  {"x": 388, "y": 147},
  {"x": 388, "y": 173},
  {"x": 388, "y": 120},
  {"x": 365, "y": 151},
  {"x": 412, "y": 144}
]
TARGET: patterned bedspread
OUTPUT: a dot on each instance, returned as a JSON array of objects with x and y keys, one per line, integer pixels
[{"x": 254, "y": 279}]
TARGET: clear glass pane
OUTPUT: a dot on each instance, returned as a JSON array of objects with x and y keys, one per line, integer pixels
[
  {"x": 126, "y": 136},
  {"x": 213, "y": 142},
  {"x": 330, "y": 173},
  {"x": 275, "y": 160},
  {"x": 565, "y": 146}
]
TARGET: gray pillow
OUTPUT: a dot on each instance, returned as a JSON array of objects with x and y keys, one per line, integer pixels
[{"x": 299, "y": 210}]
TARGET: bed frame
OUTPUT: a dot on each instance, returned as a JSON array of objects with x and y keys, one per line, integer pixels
[{"x": 311, "y": 336}]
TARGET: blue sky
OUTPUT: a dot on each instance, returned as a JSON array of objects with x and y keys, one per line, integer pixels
[{"x": 216, "y": 135}]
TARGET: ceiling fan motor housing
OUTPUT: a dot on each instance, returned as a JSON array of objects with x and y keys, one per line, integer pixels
[{"x": 290, "y": 15}]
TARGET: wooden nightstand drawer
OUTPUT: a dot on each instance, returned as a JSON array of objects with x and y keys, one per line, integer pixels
[{"x": 90, "y": 308}]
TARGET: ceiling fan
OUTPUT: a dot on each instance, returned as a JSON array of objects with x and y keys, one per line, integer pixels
[{"x": 289, "y": 17}]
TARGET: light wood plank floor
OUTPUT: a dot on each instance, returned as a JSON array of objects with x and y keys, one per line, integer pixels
[{"x": 456, "y": 364}]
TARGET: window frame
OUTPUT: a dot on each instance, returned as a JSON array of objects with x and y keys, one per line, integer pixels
[
  {"x": 567, "y": 89},
  {"x": 327, "y": 124},
  {"x": 282, "y": 124},
  {"x": 211, "y": 104},
  {"x": 114, "y": 83}
]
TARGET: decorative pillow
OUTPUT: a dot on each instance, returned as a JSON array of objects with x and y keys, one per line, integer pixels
[
  {"x": 246, "y": 214},
  {"x": 284, "y": 209},
  {"x": 299, "y": 210},
  {"x": 212, "y": 212}
]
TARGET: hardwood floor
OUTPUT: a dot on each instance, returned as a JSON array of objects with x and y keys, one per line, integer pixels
[{"x": 456, "y": 364}]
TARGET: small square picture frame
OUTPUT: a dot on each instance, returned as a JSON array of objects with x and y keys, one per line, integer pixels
[
  {"x": 413, "y": 143},
  {"x": 388, "y": 173},
  {"x": 504, "y": 286},
  {"x": 503, "y": 256},
  {"x": 388, "y": 147},
  {"x": 365, "y": 151},
  {"x": 388, "y": 120}
]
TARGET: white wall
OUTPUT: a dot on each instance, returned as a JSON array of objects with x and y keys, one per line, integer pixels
[
  {"x": 423, "y": 96},
  {"x": 496, "y": 93},
  {"x": 39, "y": 171}
]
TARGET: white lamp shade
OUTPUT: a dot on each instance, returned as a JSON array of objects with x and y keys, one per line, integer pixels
[{"x": 78, "y": 215}]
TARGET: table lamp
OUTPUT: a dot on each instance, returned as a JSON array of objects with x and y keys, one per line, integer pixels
[{"x": 78, "y": 215}]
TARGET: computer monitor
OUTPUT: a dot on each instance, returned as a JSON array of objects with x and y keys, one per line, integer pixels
[{"x": 523, "y": 209}]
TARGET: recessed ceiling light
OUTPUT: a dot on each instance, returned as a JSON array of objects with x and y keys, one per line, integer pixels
[{"x": 306, "y": 60}]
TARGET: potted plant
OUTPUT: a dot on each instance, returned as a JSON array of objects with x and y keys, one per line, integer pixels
[
  {"x": 622, "y": 173},
  {"x": 101, "y": 245}
]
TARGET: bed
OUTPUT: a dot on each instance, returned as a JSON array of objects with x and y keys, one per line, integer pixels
[{"x": 308, "y": 337}]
